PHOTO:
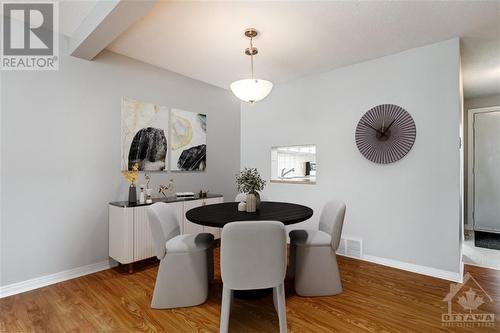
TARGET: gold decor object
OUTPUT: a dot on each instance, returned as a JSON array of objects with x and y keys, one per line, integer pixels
[
  {"x": 131, "y": 175},
  {"x": 167, "y": 189}
]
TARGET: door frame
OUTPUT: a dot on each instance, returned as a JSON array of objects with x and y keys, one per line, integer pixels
[{"x": 469, "y": 224}]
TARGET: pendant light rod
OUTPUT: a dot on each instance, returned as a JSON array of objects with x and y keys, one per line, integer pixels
[
  {"x": 251, "y": 51},
  {"x": 251, "y": 55}
]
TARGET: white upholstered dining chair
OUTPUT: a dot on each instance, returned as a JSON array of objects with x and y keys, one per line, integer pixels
[
  {"x": 253, "y": 256},
  {"x": 313, "y": 261},
  {"x": 243, "y": 197},
  {"x": 186, "y": 261}
]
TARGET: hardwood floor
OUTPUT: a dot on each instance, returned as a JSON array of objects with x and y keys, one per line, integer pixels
[{"x": 375, "y": 299}]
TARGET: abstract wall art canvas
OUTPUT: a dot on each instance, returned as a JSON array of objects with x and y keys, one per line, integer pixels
[
  {"x": 189, "y": 141},
  {"x": 144, "y": 135}
]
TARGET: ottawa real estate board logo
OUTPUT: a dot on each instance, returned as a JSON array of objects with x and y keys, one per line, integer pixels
[
  {"x": 29, "y": 37},
  {"x": 468, "y": 305}
]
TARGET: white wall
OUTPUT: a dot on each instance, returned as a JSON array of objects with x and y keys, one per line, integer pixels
[
  {"x": 60, "y": 151},
  {"x": 482, "y": 102},
  {"x": 407, "y": 211}
]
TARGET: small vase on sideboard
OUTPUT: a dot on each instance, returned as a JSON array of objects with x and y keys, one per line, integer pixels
[{"x": 132, "y": 194}]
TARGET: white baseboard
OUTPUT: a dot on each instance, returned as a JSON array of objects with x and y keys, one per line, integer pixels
[
  {"x": 42, "y": 281},
  {"x": 20, "y": 287},
  {"x": 482, "y": 266},
  {"x": 424, "y": 270}
]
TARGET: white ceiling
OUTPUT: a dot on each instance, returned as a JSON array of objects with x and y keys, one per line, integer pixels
[
  {"x": 203, "y": 40},
  {"x": 72, "y": 13}
]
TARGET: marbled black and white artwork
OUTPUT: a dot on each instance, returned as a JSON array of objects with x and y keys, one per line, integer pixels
[
  {"x": 189, "y": 141},
  {"x": 144, "y": 135}
]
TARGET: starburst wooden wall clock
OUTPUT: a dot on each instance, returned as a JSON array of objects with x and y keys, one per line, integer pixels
[{"x": 385, "y": 133}]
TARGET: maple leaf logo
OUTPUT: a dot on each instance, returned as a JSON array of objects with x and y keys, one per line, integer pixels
[{"x": 470, "y": 301}]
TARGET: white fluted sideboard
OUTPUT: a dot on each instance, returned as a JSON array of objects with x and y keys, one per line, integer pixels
[{"x": 130, "y": 238}]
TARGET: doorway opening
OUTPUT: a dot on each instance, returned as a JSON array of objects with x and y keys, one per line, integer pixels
[{"x": 482, "y": 229}]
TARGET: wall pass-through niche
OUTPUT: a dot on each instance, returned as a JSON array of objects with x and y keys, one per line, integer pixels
[{"x": 294, "y": 164}]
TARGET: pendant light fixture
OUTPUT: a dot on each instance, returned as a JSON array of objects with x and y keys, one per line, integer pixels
[{"x": 251, "y": 90}]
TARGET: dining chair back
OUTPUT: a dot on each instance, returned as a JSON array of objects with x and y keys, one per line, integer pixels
[
  {"x": 243, "y": 197},
  {"x": 164, "y": 226},
  {"x": 240, "y": 197},
  {"x": 253, "y": 256},
  {"x": 332, "y": 220}
]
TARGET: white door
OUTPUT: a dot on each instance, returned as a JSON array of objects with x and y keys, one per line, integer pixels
[{"x": 487, "y": 171}]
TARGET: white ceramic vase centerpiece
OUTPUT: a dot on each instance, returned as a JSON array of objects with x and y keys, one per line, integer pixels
[{"x": 250, "y": 182}]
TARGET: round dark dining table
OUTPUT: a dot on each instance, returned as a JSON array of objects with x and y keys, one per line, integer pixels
[{"x": 218, "y": 215}]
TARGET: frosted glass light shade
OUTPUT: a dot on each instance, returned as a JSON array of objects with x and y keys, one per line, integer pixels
[{"x": 251, "y": 90}]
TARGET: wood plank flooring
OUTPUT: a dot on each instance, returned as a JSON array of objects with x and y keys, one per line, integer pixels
[{"x": 375, "y": 299}]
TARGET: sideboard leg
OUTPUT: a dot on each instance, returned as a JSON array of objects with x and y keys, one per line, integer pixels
[{"x": 130, "y": 268}]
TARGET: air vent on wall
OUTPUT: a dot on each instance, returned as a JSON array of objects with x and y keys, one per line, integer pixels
[{"x": 351, "y": 247}]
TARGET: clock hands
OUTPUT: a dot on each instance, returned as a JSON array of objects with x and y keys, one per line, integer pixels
[
  {"x": 392, "y": 122},
  {"x": 383, "y": 131},
  {"x": 373, "y": 128}
]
